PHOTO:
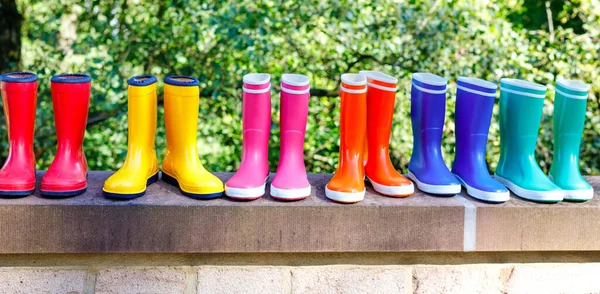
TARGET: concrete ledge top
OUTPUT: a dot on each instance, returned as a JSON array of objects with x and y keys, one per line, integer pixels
[{"x": 164, "y": 221}]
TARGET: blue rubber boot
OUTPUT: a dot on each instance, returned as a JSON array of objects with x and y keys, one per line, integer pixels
[
  {"x": 474, "y": 104},
  {"x": 428, "y": 108}
]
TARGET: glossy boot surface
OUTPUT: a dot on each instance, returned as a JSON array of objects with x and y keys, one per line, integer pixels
[
  {"x": 568, "y": 121},
  {"x": 290, "y": 181},
  {"x": 67, "y": 175},
  {"x": 141, "y": 165},
  {"x": 181, "y": 166},
  {"x": 521, "y": 105},
  {"x": 347, "y": 184},
  {"x": 381, "y": 97},
  {"x": 428, "y": 109},
  {"x": 474, "y": 105},
  {"x": 249, "y": 182},
  {"x": 19, "y": 93}
]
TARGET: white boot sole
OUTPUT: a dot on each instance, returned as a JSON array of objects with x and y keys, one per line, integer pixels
[
  {"x": 576, "y": 195},
  {"x": 497, "y": 197},
  {"x": 542, "y": 196},
  {"x": 435, "y": 189},
  {"x": 290, "y": 194},
  {"x": 245, "y": 193},
  {"x": 344, "y": 197},
  {"x": 392, "y": 191}
]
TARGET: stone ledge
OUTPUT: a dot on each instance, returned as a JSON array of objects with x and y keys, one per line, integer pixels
[{"x": 164, "y": 221}]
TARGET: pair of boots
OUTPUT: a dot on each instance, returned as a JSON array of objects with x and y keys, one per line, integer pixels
[
  {"x": 290, "y": 181},
  {"x": 474, "y": 105},
  {"x": 181, "y": 166},
  {"x": 67, "y": 175},
  {"x": 367, "y": 109},
  {"x": 521, "y": 105}
]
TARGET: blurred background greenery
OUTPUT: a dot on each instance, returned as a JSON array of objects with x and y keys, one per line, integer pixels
[{"x": 220, "y": 41}]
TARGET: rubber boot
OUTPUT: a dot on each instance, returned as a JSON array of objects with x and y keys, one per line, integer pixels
[
  {"x": 569, "y": 116},
  {"x": 181, "y": 166},
  {"x": 67, "y": 175},
  {"x": 521, "y": 104},
  {"x": 19, "y": 93},
  {"x": 141, "y": 165},
  {"x": 428, "y": 108},
  {"x": 347, "y": 184},
  {"x": 290, "y": 181},
  {"x": 248, "y": 183},
  {"x": 381, "y": 97},
  {"x": 474, "y": 105}
]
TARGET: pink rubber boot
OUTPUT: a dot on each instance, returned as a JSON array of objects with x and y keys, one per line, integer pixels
[
  {"x": 248, "y": 183},
  {"x": 290, "y": 182}
]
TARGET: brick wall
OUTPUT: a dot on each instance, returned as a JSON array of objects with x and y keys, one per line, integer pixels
[{"x": 478, "y": 278}]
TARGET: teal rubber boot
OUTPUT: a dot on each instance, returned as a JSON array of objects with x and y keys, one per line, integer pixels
[
  {"x": 569, "y": 116},
  {"x": 521, "y": 104}
]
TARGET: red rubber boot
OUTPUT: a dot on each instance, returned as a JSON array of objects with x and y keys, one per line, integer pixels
[
  {"x": 19, "y": 93},
  {"x": 67, "y": 174}
]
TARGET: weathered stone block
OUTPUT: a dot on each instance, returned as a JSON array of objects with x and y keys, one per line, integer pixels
[
  {"x": 226, "y": 279},
  {"x": 350, "y": 280},
  {"x": 460, "y": 279},
  {"x": 140, "y": 280},
  {"x": 15, "y": 280}
]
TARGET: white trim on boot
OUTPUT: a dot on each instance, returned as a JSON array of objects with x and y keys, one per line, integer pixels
[
  {"x": 541, "y": 196},
  {"x": 392, "y": 191},
  {"x": 576, "y": 195},
  {"x": 290, "y": 194},
  {"x": 345, "y": 197},
  {"x": 497, "y": 197},
  {"x": 435, "y": 189}
]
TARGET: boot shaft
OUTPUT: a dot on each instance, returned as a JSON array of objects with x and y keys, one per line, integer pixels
[
  {"x": 181, "y": 104},
  {"x": 381, "y": 97},
  {"x": 521, "y": 105},
  {"x": 428, "y": 110},
  {"x": 142, "y": 111},
  {"x": 474, "y": 105},
  {"x": 256, "y": 121},
  {"x": 428, "y": 102},
  {"x": 570, "y": 102},
  {"x": 256, "y": 102},
  {"x": 295, "y": 94},
  {"x": 19, "y": 99},
  {"x": 70, "y": 99},
  {"x": 353, "y": 116}
]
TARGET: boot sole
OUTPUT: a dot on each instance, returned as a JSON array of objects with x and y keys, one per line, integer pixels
[
  {"x": 63, "y": 194},
  {"x": 537, "y": 196},
  {"x": 245, "y": 194},
  {"x": 172, "y": 181},
  {"x": 490, "y": 197},
  {"x": 438, "y": 190},
  {"x": 16, "y": 194},
  {"x": 576, "y": 195},
  {"x": 345, "y": 197},
  {"x": 124, "y": 196},
  {"x": 290, "y": 194},
  {"x": 392, "y": 191}
]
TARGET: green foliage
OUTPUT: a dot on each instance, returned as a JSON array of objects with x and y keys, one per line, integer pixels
[{"x": 219, "y": 41}]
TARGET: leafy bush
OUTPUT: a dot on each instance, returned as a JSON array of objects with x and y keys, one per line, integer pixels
[{"x": 219, "y": 41}]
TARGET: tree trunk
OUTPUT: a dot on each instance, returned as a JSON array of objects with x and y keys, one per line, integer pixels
[{"x": 10, "y": 35}]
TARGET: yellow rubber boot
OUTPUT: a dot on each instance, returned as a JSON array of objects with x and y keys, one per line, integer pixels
[
  {"x": 141, "y": 166},
  {"x": 181, "y": 166}
]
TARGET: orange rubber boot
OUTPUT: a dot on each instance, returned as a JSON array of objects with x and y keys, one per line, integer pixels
[
  {"x": 347, "y": 184},
  {"x": 381, "y": 96}
]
